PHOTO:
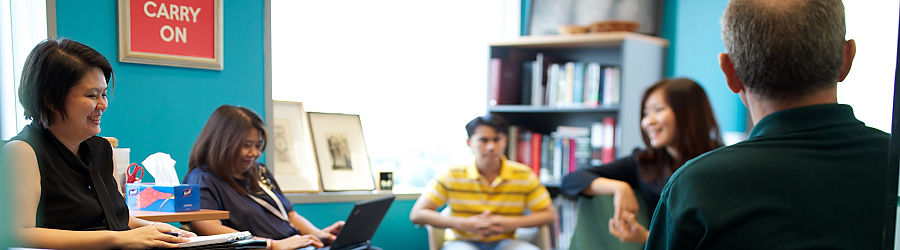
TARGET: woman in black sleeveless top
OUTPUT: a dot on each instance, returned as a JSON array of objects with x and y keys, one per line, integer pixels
[{"x": 66, "y": 194}]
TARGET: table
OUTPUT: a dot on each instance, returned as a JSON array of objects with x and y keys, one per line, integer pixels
[{"x": 202, "y": 214}]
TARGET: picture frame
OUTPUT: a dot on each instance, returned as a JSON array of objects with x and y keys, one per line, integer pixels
[
  {"x": 182, "y": 34},
  {"x": 294, "y": 162},
  {"x": 341, "y": 152}
]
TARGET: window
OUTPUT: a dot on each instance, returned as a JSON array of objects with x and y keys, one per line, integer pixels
[
  {"x": 23, "y": 24},
  {"x": 415, "y": 72},
  {"x": 869, "y": 87}
]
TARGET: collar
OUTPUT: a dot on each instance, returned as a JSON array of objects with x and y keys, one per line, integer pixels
[
  {"x": 506, "y": 172},
  {"x": 804, "y": 118}
]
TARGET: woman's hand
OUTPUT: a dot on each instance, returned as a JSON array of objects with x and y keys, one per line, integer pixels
[
  {"x": 329, "y": 234},
  {"x": 149, "y": 236},
  {"x": 297, "y": 241},
  {"x": 624, "y": 201},
  {"x": 628, "y": 229}
]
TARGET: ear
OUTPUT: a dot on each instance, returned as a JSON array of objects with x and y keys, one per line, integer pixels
[
  {"x": 731, "y": 78},
  {"x": 847, "y": 61},
  {"x": 469, "y": 142}
]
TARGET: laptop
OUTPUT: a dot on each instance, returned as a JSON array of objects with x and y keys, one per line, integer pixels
[{"x": 361, "y": 224}]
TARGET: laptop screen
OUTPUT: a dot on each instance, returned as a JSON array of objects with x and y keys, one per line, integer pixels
[{"x": 362, "y": 222}]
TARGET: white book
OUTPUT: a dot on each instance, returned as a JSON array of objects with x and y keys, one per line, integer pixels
[{"x": 215, "y": 239}]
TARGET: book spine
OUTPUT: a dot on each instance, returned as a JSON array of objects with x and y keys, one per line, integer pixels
[
  {"x": 494, "y": 75},
  {"x": 536, "y": 153}
]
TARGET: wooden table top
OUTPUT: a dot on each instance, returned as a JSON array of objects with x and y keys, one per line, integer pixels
[{"x": 202, "y": 214}]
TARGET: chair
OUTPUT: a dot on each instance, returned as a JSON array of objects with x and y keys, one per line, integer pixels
[
  {"x": 592, "y": 227},
  {"x": 539, "y": 236}
]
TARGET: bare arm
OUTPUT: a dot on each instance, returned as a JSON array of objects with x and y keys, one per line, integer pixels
[
  {"x": 425, "y": 212},
  {"x": 624, "y": 199},
  {"x": 605, "y": 186}
]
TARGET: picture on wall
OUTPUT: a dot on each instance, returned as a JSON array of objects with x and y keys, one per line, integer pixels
[
  {"x": 341, "y": 152},
  {"x": 180, "y": 33},
  {"x": 294, "y": 165}
]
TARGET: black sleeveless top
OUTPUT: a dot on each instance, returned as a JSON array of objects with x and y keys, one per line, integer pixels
[{"x": 76, "y": 194}]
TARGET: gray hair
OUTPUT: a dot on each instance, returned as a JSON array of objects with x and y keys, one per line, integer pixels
[{"x": 785, "y": 49}]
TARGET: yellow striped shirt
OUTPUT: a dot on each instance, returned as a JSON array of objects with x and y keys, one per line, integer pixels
[{"x": 468, "y": 193}]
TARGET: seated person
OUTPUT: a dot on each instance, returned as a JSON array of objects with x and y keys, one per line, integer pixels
[
  {"x": 488, "y": 197},
  {"x": 810, "y": 174},
  {"x": 677, "y": 124},
  {"x": 66, "y": 193},
  {"x": 223, "y": 162}
]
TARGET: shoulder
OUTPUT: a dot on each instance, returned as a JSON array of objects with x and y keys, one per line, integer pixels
[
  {"x": 518, "y": 168},
  {"x": 19, "y": 152},
  {"x": 18, "y": 148},
  {"x": 200, "y": 175},
  {"x": 99, "y": 143}
]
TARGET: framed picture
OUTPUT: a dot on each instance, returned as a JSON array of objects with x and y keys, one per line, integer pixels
[
  {"x": 294, "y": 165},
  {"x": 341, "y": 152},
  {"x": 172, "y": 33}
]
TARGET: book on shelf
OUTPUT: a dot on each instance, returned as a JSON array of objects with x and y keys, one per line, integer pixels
[
  {"x": 608, "y": 150},
  {"x": 551, "y": 81},
  {"x": 611, "y": 84},
  {"x": 512, "y": 142}
]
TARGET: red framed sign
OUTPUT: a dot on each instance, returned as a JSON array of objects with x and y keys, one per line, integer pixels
[{"x": 181, "y": 33}]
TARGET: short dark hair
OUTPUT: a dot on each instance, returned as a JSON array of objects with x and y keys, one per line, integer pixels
[
  {"x": 786, "y": 49},
  {"x": 491, "y": 120},
  {"x": 219, "y": 143},
  {"x": 696, "y": 128},
  {"x": 50, "y": 71}
]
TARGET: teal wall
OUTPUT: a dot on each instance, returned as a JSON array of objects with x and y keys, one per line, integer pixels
[
  {"x": 395, "y": 232},
  {"x": 694, "y": 31},
  {"x": 162, "y": 109}
]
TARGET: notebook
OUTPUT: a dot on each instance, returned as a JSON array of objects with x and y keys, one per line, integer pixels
[
  {"x": 361, "y": 224},
  {"x": 215, "y": 239}
]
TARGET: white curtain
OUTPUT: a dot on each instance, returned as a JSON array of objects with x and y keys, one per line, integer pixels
[{"x": 23, "y": 23}]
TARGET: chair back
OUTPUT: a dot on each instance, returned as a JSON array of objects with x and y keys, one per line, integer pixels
[{"x": 592, "y": 228}]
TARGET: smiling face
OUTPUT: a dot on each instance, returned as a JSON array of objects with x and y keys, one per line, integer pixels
[
  {"x": 250, "y": 149},
  {"x": 85, "y": 103},
  {"x": 658, "y": 120}
]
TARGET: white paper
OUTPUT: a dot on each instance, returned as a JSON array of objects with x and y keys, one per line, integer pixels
[{"x": 162, "y": 167}]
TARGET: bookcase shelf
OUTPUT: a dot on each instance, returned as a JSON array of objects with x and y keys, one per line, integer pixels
[
  {"x": 638, "y": 61},
  {"x": 545, "y": 109}
]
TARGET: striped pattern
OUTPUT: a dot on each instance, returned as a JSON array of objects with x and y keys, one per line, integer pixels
[{"x": 468, "y": 193}]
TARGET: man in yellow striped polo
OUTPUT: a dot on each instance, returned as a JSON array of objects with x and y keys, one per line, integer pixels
[{"x": 487, "y": 198}]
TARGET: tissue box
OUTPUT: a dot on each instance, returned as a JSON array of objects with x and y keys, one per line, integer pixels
[{"x": 162, "y": 198}]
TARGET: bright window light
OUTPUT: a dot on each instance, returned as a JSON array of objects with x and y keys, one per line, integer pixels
[
  {"x": 869, "y": 87},
  {"x": 415, "y": 72},
  {"x": 23, "y": 24}
]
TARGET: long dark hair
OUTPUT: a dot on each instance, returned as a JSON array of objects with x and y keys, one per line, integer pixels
[
  {"x": 219, "y": 144},
  {"x": 697, "y": 130}
]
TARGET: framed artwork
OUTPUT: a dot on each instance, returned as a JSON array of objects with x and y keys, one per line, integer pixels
[
  {"x": 172, "y": 33},
  {"x": 341, "y": 152},
  {"x": 294, "y": 165}
]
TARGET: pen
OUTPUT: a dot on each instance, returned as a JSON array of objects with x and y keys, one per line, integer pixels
[{"x": 173, "y": 234}]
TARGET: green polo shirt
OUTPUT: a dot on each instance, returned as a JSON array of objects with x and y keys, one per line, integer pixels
[{"x": 806, "y": 178}]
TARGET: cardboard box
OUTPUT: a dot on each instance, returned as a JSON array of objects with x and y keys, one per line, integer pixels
[{"x": 162, "y": 198}]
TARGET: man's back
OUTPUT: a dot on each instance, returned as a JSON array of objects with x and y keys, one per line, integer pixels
[{"x": 810, "y": 177}]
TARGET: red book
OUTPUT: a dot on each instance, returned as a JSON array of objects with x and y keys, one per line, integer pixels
[
  {"x": 608, "y": 152},
  {"x": 536, "y": 153},
  {"x": 524, "y": 148},
  {"x": 573, "y": 163},
  {"x": 504, "y": 83}
]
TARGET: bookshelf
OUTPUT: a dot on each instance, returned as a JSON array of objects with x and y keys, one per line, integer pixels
[{"x": 638, "y": 61}]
